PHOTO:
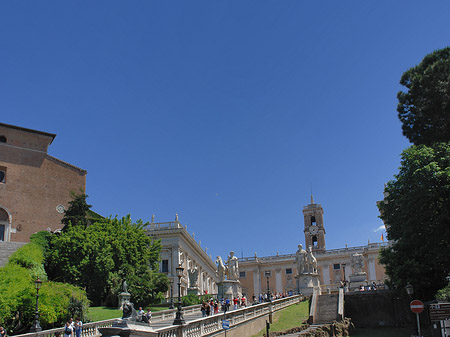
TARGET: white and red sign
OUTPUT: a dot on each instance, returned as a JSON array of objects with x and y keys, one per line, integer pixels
[{"x": 416, "y": 306}]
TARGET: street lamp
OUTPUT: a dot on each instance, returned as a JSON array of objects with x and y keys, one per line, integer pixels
[
  {"x": 179, "y": 319},
  {"x": 171, "y": 294},
  {"x": 267, "y": 274},
  {"x": 409, "y": 289},
  {"x": 36, "y": 325}
]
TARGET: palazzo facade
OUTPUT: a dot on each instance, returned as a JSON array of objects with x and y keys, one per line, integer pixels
[
  {"x": 278, "y": 272},
  {"x": 179, "y": 248}
]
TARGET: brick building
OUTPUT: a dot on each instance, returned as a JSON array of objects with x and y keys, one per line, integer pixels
[{"x": 35, "y": 188}]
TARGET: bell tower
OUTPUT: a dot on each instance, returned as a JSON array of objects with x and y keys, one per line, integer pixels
[{"x": 313, "y": 228}]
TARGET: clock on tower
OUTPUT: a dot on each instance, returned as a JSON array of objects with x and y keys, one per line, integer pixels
[{"x": 313, "y": 226}]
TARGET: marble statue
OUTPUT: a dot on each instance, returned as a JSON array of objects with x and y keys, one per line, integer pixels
[
  {"x": 357, "y": 263},
  {"x": 300, "y": 260},
  {"x": 311, "y": 262},
  {"x": 193, "y": 277},
  {"x": 233, "y": 267},
  {"x": 221, "y": 269},
  {"x": 124, "y": 286}
]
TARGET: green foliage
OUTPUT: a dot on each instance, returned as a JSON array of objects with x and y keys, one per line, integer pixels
[
  {"x": 417, "y": 216},
  {"x": 444, "y": 294},
  {"x": 77, "y": 213},
  {"x": 424, "y": 109},
  {"x": 18, "y": 293},
  {"x": 192, "y": 299},
  {"x": 101, "y": 256},
  {"x": 42, "y": 239}
]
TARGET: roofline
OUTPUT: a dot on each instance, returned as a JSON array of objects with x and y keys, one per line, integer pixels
[
  {"x": 52, "y": 135},
  {"x": 59, "y": 161}
]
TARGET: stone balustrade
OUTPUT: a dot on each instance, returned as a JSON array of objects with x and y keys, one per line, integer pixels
[{"x": 163, "y": 225}]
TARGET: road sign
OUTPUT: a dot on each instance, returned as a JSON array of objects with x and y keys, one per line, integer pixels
[
  {"x": 225, "y": 324},
  {"x": 416, "y": 306},
  {"x": 439, "y": 311}
]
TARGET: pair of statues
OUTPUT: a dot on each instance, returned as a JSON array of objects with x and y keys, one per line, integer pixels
[
  {"x": 306, "y": 261},
  {"x": 230, "y": 270}
]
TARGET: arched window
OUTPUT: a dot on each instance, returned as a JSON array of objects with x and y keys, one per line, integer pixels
[
  {"x": 2, "y": 139},
  {"x": 313, "y": 221}
]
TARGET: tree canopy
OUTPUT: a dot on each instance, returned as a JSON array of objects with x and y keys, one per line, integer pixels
[
  {"x": 76, "y": 214},
  {"x": 416, "y": 213},
  {"x": 101, "y": 256},
  {"x": 424, "y": 108}
]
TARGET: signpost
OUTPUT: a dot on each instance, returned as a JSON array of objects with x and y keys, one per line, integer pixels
[
  {"x": 417, "y": 307},
  {"x": 441, "y": 312},
  {"x": 225, "y": 326}
]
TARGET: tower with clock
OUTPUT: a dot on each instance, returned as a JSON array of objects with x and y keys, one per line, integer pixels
[{"x": 313, "y": 226}]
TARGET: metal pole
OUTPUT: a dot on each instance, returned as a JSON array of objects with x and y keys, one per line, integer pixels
[{"x": 418, "y": 324}]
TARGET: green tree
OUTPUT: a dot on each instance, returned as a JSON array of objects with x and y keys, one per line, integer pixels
[
  {"x": 77, "y": 213},
  {"x": 424, "y": 108},
  {"x": 101, "y": 256},
  {"x": 417, "y": 216}
]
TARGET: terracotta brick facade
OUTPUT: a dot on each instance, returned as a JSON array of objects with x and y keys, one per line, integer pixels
[{"x": 34, "y": 183}]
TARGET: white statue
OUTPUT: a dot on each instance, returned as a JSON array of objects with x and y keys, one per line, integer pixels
[
  {"x": 300, "y": 260},
  {"x": 233, "y": 267},
  {"x": 311, "y": 262},
  {"x": 357, "y": 263},
  {"x": 221, "y": 269}
]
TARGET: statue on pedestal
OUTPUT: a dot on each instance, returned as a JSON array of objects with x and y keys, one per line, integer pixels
[
  {"x": 311, "y": 262},
  {"x": 300, "y": 260},
  {"x": 193, "y": 277},
  {"x": 357, "y": 263},
  {"x": 221, "y": 269},
  {"x": 233, "y": 267}
]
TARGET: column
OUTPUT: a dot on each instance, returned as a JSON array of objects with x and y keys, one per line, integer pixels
[
  {"x": 256, "y": 282},
  {"x": 326, "y": 274},
  {"x": 278, "y": 281},
  {"x": 372, "y": 272}
]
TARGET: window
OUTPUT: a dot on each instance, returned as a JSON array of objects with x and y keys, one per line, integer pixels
[
  {"x": 3, "y": 224},
  {"x": 336, "y": 266},
  {"x": 288, "y": 271},
  {"x": 164, "y": 266},
  {"x": 313, "y": 220},
  {"x": 314, "y": 241},
  {"x": 242, "y": 274},
  {"x": 2, "y": 139},
  {"x": 2, "y": 174}
]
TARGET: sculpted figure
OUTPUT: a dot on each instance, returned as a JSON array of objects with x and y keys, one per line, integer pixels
[
  {"x": 311, "y": 261},
  {"x": 221, "y": 269},
  {"x": 124, "y": 286},
  {"x": 233, "y": 267},
  {"x": 193, "y": 277},
  {"x": 357, "y": 263},
  {"x": 300, "y": 260}
]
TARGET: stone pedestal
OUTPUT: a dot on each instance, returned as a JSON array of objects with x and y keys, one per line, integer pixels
[
  {"x": 357, "y": 280},
  {"x": 306, "y": 283},
  {"x": 229, "y": 289},
  {"x": 123, "y": 298},
  {"x": 194, "y": 290}
]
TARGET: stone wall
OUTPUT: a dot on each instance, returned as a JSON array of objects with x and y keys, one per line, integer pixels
[{"x": 377, "y": 308}]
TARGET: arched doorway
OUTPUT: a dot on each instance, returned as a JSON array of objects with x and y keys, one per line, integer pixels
[{"x": 4, "y": 225}]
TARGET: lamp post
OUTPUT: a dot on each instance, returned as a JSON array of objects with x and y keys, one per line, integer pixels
[
  {"x": 345, "y": 281},
  {"x": 171, "y": 294},
  {"x": 179, "y": 319},
  {"x": 267, "y": 274},
  {"x": 36, "y": 325},
  {"x": 409, "y": 289}
]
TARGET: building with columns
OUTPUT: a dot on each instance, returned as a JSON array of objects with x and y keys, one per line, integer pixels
[
  {"x": 278, "y": 272},
  {"x": 180, "y": 248}
]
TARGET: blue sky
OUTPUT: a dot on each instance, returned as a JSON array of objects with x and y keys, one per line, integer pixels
[{"x": 225, "y": 112}]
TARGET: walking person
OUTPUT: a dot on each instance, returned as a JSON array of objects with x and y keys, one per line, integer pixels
[{"x": 78, "y": 327}]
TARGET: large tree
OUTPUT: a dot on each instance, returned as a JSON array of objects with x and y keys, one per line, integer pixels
[
  {"x": 416, "y": 212},
  {"x": 424, "y": 108},
  {"x": 101, "y": 256}
]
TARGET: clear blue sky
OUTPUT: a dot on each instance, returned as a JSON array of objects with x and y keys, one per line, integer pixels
[{"x": 225, "y": 112}]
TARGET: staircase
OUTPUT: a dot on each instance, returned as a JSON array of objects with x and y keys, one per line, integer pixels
[
  {"x": 7, "y": 249},
  {"x": 327, "y": 309}
]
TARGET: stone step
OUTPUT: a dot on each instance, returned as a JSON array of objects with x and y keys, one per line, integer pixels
[{"x": 7, "y": 249}]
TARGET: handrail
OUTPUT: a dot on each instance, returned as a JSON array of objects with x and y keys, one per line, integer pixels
[
  {"x": 341, "y": 304},
  {"x": 313, "y": 306}
]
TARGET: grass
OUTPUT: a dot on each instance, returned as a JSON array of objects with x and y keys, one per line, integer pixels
[
  {"x": 289, "y": 318},
  {"x": 103, "y": 313}
]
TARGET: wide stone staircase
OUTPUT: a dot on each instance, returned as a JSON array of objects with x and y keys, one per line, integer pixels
[
  {"x": 327, "y": 309},
  {"x": 7, "y": 249}
]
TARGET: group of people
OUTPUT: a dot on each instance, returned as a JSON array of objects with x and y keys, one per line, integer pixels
[
  {"x": 212, "y": 306},
  {"x": 73, "y": 329},
  {"x": 143, "y": 316}
]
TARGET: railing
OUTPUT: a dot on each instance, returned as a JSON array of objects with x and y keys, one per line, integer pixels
[
  {"x": 163, "y": 225},
  {"x": 341, "y": 304},
  {"x": 91, "y": 329},
  {"x": 213, "y": 324}
]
